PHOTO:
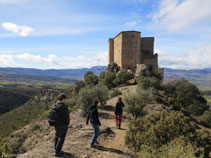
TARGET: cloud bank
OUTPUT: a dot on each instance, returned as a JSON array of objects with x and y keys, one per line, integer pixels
[
  {"x": 20, "y": 30},
  {"x": 53, "y": 61},
  {"x": 194, "y": 59},
  {"x": 175, "y": 15}
]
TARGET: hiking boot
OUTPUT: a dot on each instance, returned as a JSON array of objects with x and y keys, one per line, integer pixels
[
  {"x": 93, "y": 146},
  {"x": 60, "y": 154}
]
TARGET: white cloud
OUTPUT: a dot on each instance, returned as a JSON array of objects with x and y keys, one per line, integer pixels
[
  {"x": 21, "y": 30},
  {"x": 175, "y": 15},
  {"x": 53, "y": 61},
  {"x": 198, "y": 58},
  {"x": 7, "y": 60},
  {"x": 131, "y": 24}
]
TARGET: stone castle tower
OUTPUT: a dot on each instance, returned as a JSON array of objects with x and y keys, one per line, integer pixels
[{"x": 128, "y": 49}]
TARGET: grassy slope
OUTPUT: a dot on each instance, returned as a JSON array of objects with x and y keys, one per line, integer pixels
[
  {"x": 14, "y": 97},
  {"x": 33, "y": 109}
]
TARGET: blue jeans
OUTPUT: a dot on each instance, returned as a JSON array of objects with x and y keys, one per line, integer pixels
[
  {"x": 96, "y": 133},
  {"x": 59, "y": 138}
]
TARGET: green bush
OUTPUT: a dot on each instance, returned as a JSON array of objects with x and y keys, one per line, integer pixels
[
  {"x": 101, "y": 93},
  {"x": 203, "y": 139},
  {"x": 88, "y": 73},
  {"x": 185, "y": 95},
  {"x": 157, "y": 129},
  {"x": 113, "y": 67},
  {"x": 149, "y": 82},
  {"x": 114, "y": 92},
  {"x": 123, "y": 77},
  {"x": 179, "y": 148},
  {"x": 78, "y": 85},
  {"x": 90, "y": 79},
  {"x": 135, "y": 102},
  {"x": 87, "y": 95},
  {"x": 206, "y": 118},
  {"x": 102, "y": 75},
  {"x": 4, "y": 147},
  {"x": 72, "y": 104},
  {"x": 109, "y": 79},
  {"x": 85, "y": 98}
]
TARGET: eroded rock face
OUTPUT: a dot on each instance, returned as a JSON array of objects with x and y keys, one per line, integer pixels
[{"x": 139, "y": 68}]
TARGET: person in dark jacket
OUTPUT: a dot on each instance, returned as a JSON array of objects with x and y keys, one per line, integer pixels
[
  {"x": 94, "y": 120},
  {"x": 118, "y": 112},
  {"x": 61, "y": 129}
]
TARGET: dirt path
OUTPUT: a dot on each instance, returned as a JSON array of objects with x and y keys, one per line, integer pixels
[{"x": 111, "y": 139}]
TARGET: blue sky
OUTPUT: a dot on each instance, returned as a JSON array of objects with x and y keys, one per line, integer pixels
[{"x": 73, "y": 33}]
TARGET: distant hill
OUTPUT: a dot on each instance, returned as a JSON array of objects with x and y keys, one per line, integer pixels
[
  {"x": 79, "y": 73},
  {"x": 200, "y": 77}
]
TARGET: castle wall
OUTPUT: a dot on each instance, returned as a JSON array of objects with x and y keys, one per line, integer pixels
[
  {"x": 118, "y": 50},
  {"x": 147, "y": 45},
  {"x": 110, "y": 50},
  {"x": 149, "y": 60},
  {"x": 130, "y": 49}
]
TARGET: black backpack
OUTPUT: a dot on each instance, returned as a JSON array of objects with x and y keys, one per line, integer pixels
[
  {"x": 54, "y": 117},
  {"x": 92, "y": 115}
]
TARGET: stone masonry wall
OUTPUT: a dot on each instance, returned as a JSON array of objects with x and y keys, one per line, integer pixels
[
  {"x": 130, "y": 49},
  {"x": 150, "y": 60},
  {"x": 118, "y": 50},
  {"x": 147, "y": 45},
  {"x": 111, "y": 50}
]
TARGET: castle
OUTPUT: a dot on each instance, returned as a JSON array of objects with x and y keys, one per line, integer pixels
[{"x": 128, "y": 49}]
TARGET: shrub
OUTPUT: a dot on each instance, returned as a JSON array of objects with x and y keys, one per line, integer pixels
[
  {"x": 113, "y": 67},
  {"x": 114, "y": 92},
  {"x": 88, "y": 73},
  {"x": 185, "y": 95},
  {"x": 157, "y": 129},
  {"x": 179, "y": 148},
  {"x": 72, "y": 104},
  {"x": 109, "y": 79},
  {"x": 101, "y": 93},
  {"x": 135, "y": 102},
  {"x": 102, "y": 75},
  {"x": 149, "y": 82},
  {"x": 85, "y": 98},
  {"x": 206, "y": 118},
  {"x": 87, "y": 95},
  {"x": 4, "y": 147},
  {"x": 123, "y": 77},
  {"x": 78, "y": 85},
  {"x": 90, "y": 79},
  {"x": 203, "y": 139}
]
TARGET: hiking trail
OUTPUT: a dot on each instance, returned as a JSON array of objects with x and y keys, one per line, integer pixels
[{"x": 111, "y": 140}]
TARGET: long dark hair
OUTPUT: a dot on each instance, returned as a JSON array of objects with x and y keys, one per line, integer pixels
[{"x": 120, "y": 99}]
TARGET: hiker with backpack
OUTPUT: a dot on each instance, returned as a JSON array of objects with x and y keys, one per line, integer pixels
[
  {"x": 94, "y": 121},
  {"x": 59, "y": 118},
  {"x": 118, "y": 112}
]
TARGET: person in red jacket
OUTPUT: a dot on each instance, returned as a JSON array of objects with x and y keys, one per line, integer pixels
[{"x": 118, "y": 112}]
